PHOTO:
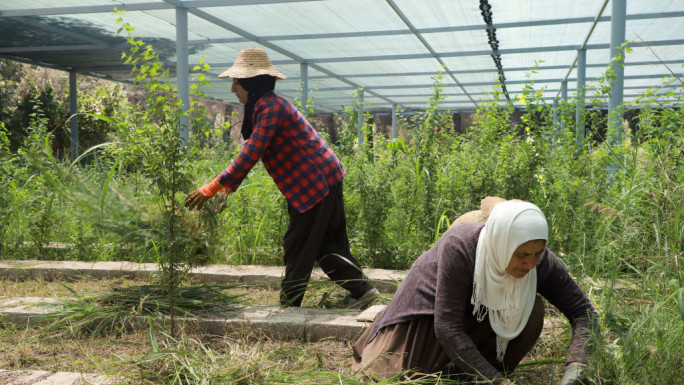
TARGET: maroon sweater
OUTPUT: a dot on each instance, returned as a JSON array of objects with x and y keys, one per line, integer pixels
[{"x": 440, "y": 284}]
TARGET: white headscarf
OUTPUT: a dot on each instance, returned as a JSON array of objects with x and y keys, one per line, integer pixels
[{"x": 507, "y": 299}]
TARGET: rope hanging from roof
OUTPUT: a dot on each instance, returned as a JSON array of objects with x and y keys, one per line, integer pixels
[{"x": 486, "y": 12}]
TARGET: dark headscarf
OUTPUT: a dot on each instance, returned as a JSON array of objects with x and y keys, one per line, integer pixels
[{"x": 256, "y": 87}]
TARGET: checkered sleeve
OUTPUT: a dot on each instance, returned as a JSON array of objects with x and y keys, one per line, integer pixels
[{"x": 265, "y": 127}]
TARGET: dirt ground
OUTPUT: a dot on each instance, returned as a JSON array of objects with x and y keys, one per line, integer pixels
[{"x": 243, "y": 357}]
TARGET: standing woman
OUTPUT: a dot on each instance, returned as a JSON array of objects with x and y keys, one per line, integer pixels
[
  {"x": 305, "y": 170},
  {"x": 468, "y": 307}
]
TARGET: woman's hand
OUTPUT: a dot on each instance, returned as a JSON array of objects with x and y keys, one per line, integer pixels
[
  {"x": 202, "y": 194},
  {"x": 574, "y": 374},
  {"x": 195, "y": 199}
]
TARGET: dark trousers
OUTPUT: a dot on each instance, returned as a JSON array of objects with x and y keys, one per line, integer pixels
[{"x": 320, "y": 235}]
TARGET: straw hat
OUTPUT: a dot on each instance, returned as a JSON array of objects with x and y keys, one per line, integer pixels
[{"x": 252, "y": 62}]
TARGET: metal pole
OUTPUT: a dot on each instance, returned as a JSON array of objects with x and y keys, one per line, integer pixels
[
  {"x": 586, "y": 39},
  {"x": 617, "y": 37},
  {"x": 556, "y": 123},
  {"x": 73, "y": 117},
  {"x": 581, "y": 80},
  {"x": 564, "y": 98},
  {"x": 556, "y": 120},
  {"x": 304, "y": 79},
  {"x": 394, "y": 121},
  {"x": 183, "y": 70},
  {"x": 360, "y": 117}
]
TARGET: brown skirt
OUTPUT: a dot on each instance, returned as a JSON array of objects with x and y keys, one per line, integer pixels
[
  {"x": 413, "y": 345},
  {"x": 399, "y": 347}
]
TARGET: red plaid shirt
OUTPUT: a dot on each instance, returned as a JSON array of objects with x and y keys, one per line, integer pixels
[{"x": 299, "y": 161}]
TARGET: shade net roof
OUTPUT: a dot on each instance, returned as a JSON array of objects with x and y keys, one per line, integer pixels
[{"x": 393, "y": 49}]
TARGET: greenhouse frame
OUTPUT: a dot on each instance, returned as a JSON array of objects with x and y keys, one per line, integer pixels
[{"x": 387, "y": 54}]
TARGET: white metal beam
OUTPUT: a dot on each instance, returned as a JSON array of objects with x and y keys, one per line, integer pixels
[
  {"x": 360, "y": 118},
  {"x": 587, "y": 37},
  {"x": 73, "y": 114},
  {"x": 131, "y": 7},
  {"x": 617, "y": 37},
  {"x": 182, "y": 71},
  {"x": 579, "y": 106},
  {"x": 232, "y": 28},
  {"x": 304, "y": 84},
  {"x": 427, "y": 45}
]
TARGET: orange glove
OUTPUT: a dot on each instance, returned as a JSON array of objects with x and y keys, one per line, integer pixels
[
  {"x": 210, "y": 189},
  {"x": 202, "y": 194}
]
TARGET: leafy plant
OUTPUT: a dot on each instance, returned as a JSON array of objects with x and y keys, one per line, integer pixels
[{"x": 150, "y": 143}]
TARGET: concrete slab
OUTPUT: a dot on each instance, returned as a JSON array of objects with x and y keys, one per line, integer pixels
[
  {"x": 369, "y": 314},
  {"x": 40, "y": 377},
  {"x": 21, "y": 377},
  {"x": 26, "y": 309},
  {"x": 60, "y": 378},
  {"x": 386, "y": 281},
  {"x": 309, "y": 324}
]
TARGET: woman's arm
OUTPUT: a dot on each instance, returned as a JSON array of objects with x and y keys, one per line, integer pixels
[
  {"x": 266, "y": 124},
  {"x": 454, "y": 283},
  {"x": 556, "y": 285}
]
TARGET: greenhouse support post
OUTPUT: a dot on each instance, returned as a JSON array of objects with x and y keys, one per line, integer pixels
[
  {"x": 182, "y": 71},
  {"x": 394, "y": 121},
  {"x": 617, "y": 37},
  {"x": 304, "y": 80},
  {"x": 73, "y": 117},
  {"x": 579, "y": 109},
  {"x": 564, "y": 98},
  {"x": 360, "y": 117},
  {"x": 556, "y": 123}
]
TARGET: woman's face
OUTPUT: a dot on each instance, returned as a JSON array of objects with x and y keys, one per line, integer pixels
[
  {"x": 240, "y": 92},
  {"x": 525, "y": 258}
]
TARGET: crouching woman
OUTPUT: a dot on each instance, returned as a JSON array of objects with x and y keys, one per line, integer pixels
[{"x": 468, "y": 308}]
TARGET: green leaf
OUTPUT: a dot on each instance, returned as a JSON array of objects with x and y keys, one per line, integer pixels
[
  {"x": 680, "y": 303},
  {"x": 70, "y": 289},
  {"x": 153, "y": 338},
  {"x": 100, "y": 116},
  {"x": 108, "y": 180}
]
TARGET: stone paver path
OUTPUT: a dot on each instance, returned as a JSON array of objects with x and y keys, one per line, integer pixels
[
  {"x": 385, "y": 280},
  {"x": 310, "y": 324},
  {"x": 40, "y": 377}
]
